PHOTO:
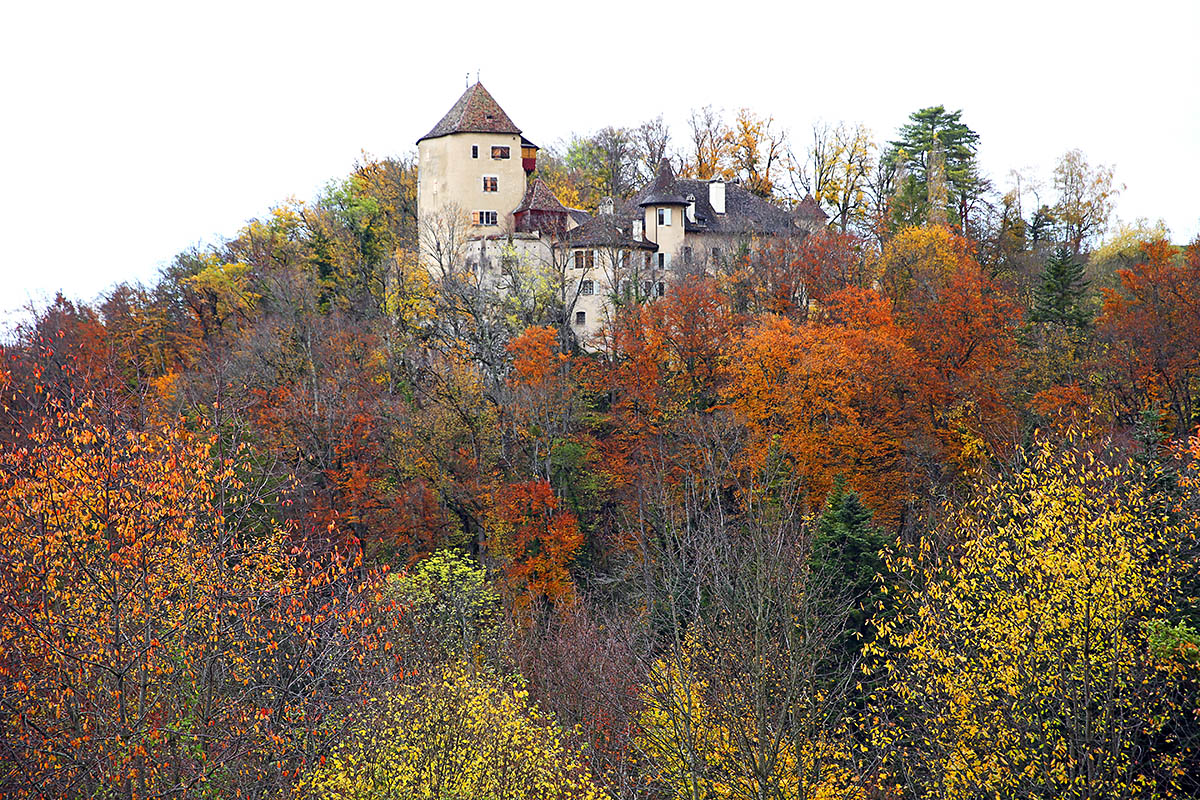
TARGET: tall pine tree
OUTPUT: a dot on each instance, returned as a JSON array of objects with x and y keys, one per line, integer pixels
[{"x": 935, "y": 140}]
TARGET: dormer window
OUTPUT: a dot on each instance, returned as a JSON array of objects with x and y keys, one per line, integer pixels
[{"x": 664, "y": 216}]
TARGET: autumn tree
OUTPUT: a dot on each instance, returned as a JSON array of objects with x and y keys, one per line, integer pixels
[
  {"x": 757, "y": 150},
  {"x": 1153, "y": 321},
  {"x": 1019, "y": 662},
  {"x": 535, "y": 542},
  {"x": 840, "y": 161},
  {"x": 744, "y": 698},
  {"x": 455, "y": 731},
  {"x": 156, "y": 640},
  {"x": 711, "y": 140},
  {"x": 828, "y": 398},
  {"x": 1086, "y": 196}
]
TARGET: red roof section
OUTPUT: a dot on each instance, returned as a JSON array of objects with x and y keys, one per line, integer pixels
[{"x": 539, "y": 197}]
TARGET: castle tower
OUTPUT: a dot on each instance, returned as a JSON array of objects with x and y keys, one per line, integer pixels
[
  {"x": 663, "y": 212},
  {"x": 472, "y": 163}
]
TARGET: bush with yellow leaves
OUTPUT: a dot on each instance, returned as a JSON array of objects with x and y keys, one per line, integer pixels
[{"x": 460, "y": 732}]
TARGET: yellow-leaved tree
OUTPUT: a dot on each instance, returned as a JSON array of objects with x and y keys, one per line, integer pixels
[
  {"x": 1020, "y": 663},
  {"x": 695, "y": 748},
  {"x": 457, "y": 732}
]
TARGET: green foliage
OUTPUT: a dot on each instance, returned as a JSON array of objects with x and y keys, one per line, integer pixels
[
  {"x": 453, "y": 611},
  {"x": 1058, "y": 299},
  {"x": 930, "y": 130},
  {"x": 847, "y": 556}
]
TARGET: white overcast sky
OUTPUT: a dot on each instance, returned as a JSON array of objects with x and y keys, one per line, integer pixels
[{"x": 130, "y": 131}]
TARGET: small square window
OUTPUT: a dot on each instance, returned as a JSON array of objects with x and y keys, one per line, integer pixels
[
  {"x": 587, "y": 287},
  {"x": 499, "y": 152},
  {"x": 490, "y": 183},
  {"x": 581, "y": 318}
]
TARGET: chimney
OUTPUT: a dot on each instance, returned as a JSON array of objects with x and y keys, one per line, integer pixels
[
  {"x": 691, "y": 209},
  {"x": 716, "y": 195},
  {"x": 637, "y": 229}
]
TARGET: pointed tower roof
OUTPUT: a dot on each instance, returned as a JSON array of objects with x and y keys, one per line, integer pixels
[
  {"x": 475, "y": 112},
  {"x": 539, "y": 197},
  {"x": 662, "y": 192},
  {"x": 809, "y": 208}
]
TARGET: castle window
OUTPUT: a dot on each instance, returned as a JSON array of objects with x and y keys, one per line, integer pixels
[
  {"x": 660, "y": 289},
  {"x": 485, "y": 218},
  {"x": 587, "y": 287},
  {"x": 664, "y": 216},
  {"x": 585, "y": 259},
  {"x": 499, "y": 152},
  {"x": 490, "y": 183},
  {"x": 474, "y": 151},
  {"x": 664, "y": 260},
  {"x": 581, "y": 318}
]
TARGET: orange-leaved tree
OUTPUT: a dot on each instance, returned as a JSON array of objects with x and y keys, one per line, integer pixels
[
  {"x": 1153, "y": 322},
  {"x": 830, "y": 397},
  {"x": 153, "y": 641},
  {"x": 535, "y": 541}
]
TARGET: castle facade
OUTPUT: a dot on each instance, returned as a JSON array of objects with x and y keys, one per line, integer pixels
[{"x": 479, "y": 201}]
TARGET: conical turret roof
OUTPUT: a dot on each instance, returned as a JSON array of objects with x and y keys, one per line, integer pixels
[
  {"x": 475, "y": 112},
  {"x": 663, "y": 191}
]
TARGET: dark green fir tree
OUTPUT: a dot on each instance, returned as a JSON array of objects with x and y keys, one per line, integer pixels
[
  {"x": 1058, "y": 299},
  {"x": 847, "y": 560}
]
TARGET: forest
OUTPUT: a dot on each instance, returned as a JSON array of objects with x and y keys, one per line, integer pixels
[{"x": 906, "y": 507}]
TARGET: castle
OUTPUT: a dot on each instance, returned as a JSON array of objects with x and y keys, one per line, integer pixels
[{"x": 479, "y": 202}]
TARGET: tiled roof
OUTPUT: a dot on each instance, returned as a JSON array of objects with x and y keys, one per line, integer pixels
[
  {"x": 539, "y": 197},
  {"x": 475, "y": 112},
  {"x": 809, "y": 208},
  {"x": 608, "y": 230},
  {"x": 745, "y": 212}
]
